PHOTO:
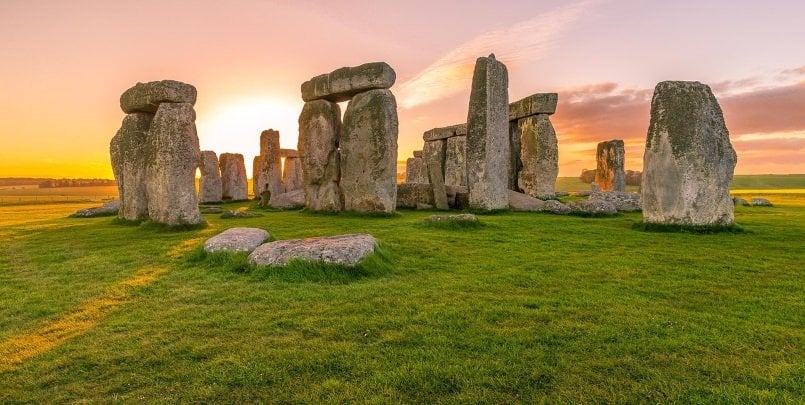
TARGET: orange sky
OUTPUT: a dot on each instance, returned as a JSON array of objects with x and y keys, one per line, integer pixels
[{"x": 65, "y": 64}]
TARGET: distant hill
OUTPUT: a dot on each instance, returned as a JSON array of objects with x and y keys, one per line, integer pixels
[{"x": 53, "y": 183}]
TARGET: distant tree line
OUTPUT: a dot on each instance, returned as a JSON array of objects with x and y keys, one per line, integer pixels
[
  {"x": 632, "y": 177},
  {"x": 54, "y": 183}
]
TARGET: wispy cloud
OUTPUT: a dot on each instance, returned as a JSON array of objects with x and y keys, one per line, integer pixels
[{"x": 527, "y": 40}]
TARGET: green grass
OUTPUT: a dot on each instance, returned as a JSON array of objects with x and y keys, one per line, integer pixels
[{"x": 526, "y": 308}]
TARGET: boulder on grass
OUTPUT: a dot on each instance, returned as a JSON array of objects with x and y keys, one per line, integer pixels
[
  {"x": 107, "y": 209},
  {"x": 593, "y": 208},
  {"x": 342, "y": 249},
  {"x": 761, "y": 202},
  {"x": 236, "y": 240}
]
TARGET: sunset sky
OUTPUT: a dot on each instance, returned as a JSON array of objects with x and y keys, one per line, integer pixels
[{"x": 64, "y": 64}]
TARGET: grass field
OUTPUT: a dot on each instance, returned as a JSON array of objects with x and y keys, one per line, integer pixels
[{"x": 527, "y": 308}]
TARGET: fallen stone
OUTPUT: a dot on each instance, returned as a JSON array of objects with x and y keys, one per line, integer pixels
[
  {"x": 761, "y": 202},
  {"x": 540, "y": 103},
  {"x": 288, "y": 201},
  {"x": 592, "y": 207},
  {"x": 240, "y": 214},
  {"x": 319, "y": 129},
  {"x": 738, "y": 201},
  {"x": 236, "y": 240},
  {"x": 346, "y": 250},
  {"x": 539, "y": 155},
  {"x": 131, "y": 154},
  {"x": 146, "y": 97},
  {"x": 436, "y": 134},
  {"x": 108, "y": 209},
  {"x": 609, "y": 174},
  {"x": 234, "y": 185},
  {"x": 455, "y": 163},
  {"x": 210, "y": 186},
  {"x": 412, "y": 195},
  {"x": 623, "y": 201},
  {"x": 522, "y": 202},
  {"x": 452, "y": 218},
  {"x": 345, "y": 83}
]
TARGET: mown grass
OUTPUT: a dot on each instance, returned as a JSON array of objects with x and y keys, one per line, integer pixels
[{"x": 526, "y": 308}]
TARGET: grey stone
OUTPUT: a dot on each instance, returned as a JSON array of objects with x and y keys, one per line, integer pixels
[
  {"x": 172, "y": 198},
  {"x": 761, "y": 202},
  {"x": 236, "y": 240},
  {"x": 609, "y": 174},
  {"x": 344, "y": 83},
  {"x": 623, "y": 201},
  {"x": 738, "y": 201},
  {"x": 585, "y": 193},
  {"x": 540, "y": 103},
  {"x": 271, "y": 168},
  {"x": 421, "y": 206},
  {"x": 522, "y": 202},
  {"x": 592, "y": 207},
  {"x": 452, "y": 218},
  {"x": 146, "y": 97},
  {"x": 515, "y": 164},
  {"x": 292, "y": 176},
  {"x": 210, "y": 186},
  {"x": 556, "y": 207},
  {"x": 455, "y": 164},
  {"x": 234, "y": 185},
  {"x": 436, "y": 134},
  {"x": 240, "y": 213},
  {"x": 131, "y": 153},
  {"x": 257, "y": 180},
  {"x": 287, "y": 201},
  {"x": 369, "y": 152},
  {"x": 417, "y": 153},
  {"x": 689, "y": 161},
  {"x": 319, "y": 132},
  {"x": 435, "y": 160},
  {"x": 539, "y": 154},
  {"x": 346, "y": 250},
  {"x": 107, "y": 209},
  {"x": 412, "y": 195},
  {"x": 416, "y": 170},
  {"x": 562, "y": 194},
  {"x": 488, "y": 136},
  {"x": 457, "y": 197}
]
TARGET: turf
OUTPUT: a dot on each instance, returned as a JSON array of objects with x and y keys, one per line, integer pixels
[{"x": 525, "y": 308}]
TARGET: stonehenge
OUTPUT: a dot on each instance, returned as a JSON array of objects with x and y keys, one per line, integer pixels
[
  {"x": 210, "y": 186},
  {"x": 609, "y": 173},
  {"x": 234, "y": 185},
  {"x": 268, "y": 166},
  {"x": 155, "y": 154},
  {"x": 351, "y": 165}
]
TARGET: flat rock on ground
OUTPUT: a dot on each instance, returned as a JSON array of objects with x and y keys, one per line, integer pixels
[
  {"x": 761, "y": 202},
  {"x": 109, "y": 208},
  {"x": 452, "y": 218},
  {"x": 236, "y": 240},
  {"x": 623, "y": 201},
  {"x": 523, "y": 202},
  {"x": 738, "y": 201},
  {"x": 287, "y": 201},
  {"x": 342, "y": 249},
  {"x": 593, "y": 207}
]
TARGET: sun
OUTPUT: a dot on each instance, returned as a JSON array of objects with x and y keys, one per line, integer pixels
[{"x": 234, "y": 126}]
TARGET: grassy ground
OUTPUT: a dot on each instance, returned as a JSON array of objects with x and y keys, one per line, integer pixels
[{"x": 526, "y": 308}]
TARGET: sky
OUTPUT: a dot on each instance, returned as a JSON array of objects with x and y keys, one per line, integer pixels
[{"x": 63, "y": 66}]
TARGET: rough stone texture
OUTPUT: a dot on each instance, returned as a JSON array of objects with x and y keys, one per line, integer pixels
[
  {"x": 488, "y": 136},
  {"x": 540, "y": 103},
  {"x": 539, "y": 154},
  {"x": 609, "y": 174},
  {"x": 414, "y": 195},
  {"x": 257, "y": 180},
  {"x": 515, "y": 164},
  {"x": 146, "y": 97},
  {"x": 234, "y": 185},
  {"x": 457, "y": 197},
  {"x": 623, "y": 201},
  {"x": 236, "y": 240},
  {"x": 289, "y": 153},
  {"x": 369, "y": 153},
  {"x": 455, "y": 164},
  {"x": 171, "y": 184},
  {"x": 107, "y": 209},
  {"x": 210, "y": 186},
  {"x": 319, "y": 129},
  {"x": 761, "y": 202},
  {"x": 271, "y": 168},
  {"x": 452, "y": 218},
  {"x": 418, "y": 154},
  {"x": 343, "y": 249},
  {"x": 292, "y": 176},
  {"x": 522, "y": 202},
  {"x": 131, "y": 152},
  {"x": 738, "y": 201},
  {"x": 287, "y": 201},
  {"x": 344, "y": 83},
  {"x": 593, "y": 207},
  {"x": 689, "y": 161},
  {"x": 436, "y": 134},
  {"x": 435, "y": 161},
  {"x": 416, "y": 170}
]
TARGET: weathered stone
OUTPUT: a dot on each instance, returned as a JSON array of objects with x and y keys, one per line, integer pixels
[
  {"x": 107, "y": 209},
  {"x": 416, "y": 170},
  {"x": 289, "y": 153},
  {"x": 457, "y": 197},
  {"x": 436, "y": 134},
  {"x": 344, "y": 83},
  {"x": 271, "y": 168},
  {"x": 435, "y": 161},
  {"x": 257, "y": 180},
  {"x": 585, "y": 193},
  {"x": 539, "y": 154},
  {"x": 288, "y": 201},
  {"x": 522, "y": 202},
  {"x": 146, "y": 97},
  {"x": 455, "y": 164},
  {"x": 761, "y": 202},
  {"x": 131, "y": 152},
  {"x": 236, "y": 240},
  {"x": 540, "y": 103},
  {"x": 319, "y": 131},
  {"x": 623, "y": 201},
  {"x": 562, "y": 194},
  {"x": 171, "y": 185},
  {"x": 738, "y": 201},
  {"x": 593, "y": 207},
  {"x": 488, "y": 136},
  {"x": 452, "y": 218},
  {"x": 609, "y": 174},
  {"x": 417, "y": 153},
  {"x": 210, "y": 186},
  {"x": 234, "y": 185},
  {"x": 292, "y": 176},
  {"x": 369, "y": 152},
  {"x": 413, "y": 195},
  {"x": 346, "y": 250},
  {"x": 689, "y": 161},
  {"x": 515, "y": 165},
  {"x": 240, "y": 213},
  {"x": 556, "y": 207}
]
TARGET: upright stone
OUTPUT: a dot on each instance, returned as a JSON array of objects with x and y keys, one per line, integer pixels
[
  {"x": 689, "y": 161},
  {"x": 131, "y": 152},
  {"x": 271, "y": 170},
  {"x": 257, "y": 178},
  {"x": 435, "y": 161},
  {"x": 172, "y": 174},
  {"x": 539, "y": 154},
  {"x": 416, "y": 170},
  {"x": 210, "y": 183},
  {"x": 369, "y": 152},
  {"x": 233, "y": 177},
  {"x": 488, "y": 136},
  {"x": 609, "y": 173},
  {"x": 515, "y": 164},
  {"x": 319, "y": 129},
  {"x": 292, "y": 176},
  {"x": 455, "y": 163}
]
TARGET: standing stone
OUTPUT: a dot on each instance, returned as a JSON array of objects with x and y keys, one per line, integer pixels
[
  {"x": 609, "y": 174},
  {"x": 435, "y": 161},
  {"x": 369, "y": 152},
  {"x": 210, "y": 183},
  {"x": 257, "y": 179},
  {"x": 172, "y": 174},
  {"x": 689, "y": 160},
  {"x": 271, "y": 170},
  {"x": 233, "y": 177},
  {"x": 292, "y": 176},
  {"x": 319, "y": 129},
  {"x": 488, "y": 136},
  {"x": 515, "y": 164},
  {"x": 539, "y": 154},
  {"x": 455, "y": 164},
  {"x": 131, "y": 151},
  {"x": 416, "y": 170},
  {"x": 344, "y": 83}
]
